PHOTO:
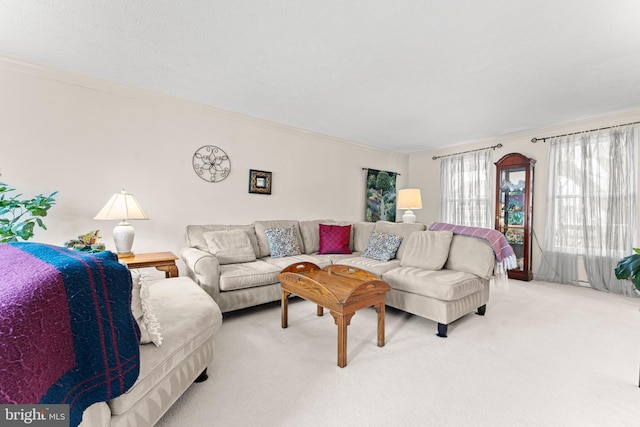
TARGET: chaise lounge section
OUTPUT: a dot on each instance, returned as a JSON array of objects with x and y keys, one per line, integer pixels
[
  {"x": 188, "y": 325},
  {"x": 78, "y": 329}
]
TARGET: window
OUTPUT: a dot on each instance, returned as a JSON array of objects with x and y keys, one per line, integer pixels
[
  {"x": 591, "y": 208},
  {"x": 586, "y": 192},
  {"x": 565, "y": 197},
  {"x": 465, "y": 189}
]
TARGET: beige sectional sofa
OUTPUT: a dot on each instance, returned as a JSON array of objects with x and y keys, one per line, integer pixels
[{"x": 433, "y": 274}]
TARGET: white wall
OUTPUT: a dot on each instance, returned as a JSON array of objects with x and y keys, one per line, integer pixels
[
  {"x": 88, "y": 139},
  {"x": 424, "y": 173}
]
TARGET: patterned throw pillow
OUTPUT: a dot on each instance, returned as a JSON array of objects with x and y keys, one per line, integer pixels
[
  {"x": 282, "y": 241},
  {"x": 382, "y": 246},
  {"x": 334, "y": 239}
]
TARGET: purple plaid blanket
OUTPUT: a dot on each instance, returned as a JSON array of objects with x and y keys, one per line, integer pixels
[
  {"x": 67, "y": 334},
  {"x": 505, "y": 257}
]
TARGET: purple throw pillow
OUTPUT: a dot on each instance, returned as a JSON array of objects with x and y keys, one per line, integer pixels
[{"x": 334, "y": 239}]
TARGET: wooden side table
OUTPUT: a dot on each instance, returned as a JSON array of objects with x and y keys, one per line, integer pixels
[{"x": 163, "y": 261}]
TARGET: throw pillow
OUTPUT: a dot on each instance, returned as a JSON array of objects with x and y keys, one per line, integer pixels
[
  {"x": 427, "y": 249},
  {"x": 401, "y": 229},
  {"x": 334, "y": 239},
  {"x": 382, "y": 246},
  {"x": 230, "y": 246},
  {"x": 309, "y": 230},
  {"x": 282, "y": 241},
  {"x": 143, "y": 311},
  {"x": 263, "y": 241}
]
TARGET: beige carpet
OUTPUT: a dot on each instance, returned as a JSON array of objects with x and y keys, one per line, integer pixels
[{"x": 544, "y": 355}]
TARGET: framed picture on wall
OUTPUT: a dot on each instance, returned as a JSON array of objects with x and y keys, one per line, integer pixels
[{"x": 259, "y": 182}]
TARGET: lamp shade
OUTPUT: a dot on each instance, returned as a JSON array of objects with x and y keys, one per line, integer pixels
[
  {"x": 122, "y": 206},
  {"x": 409, "y": 198}
]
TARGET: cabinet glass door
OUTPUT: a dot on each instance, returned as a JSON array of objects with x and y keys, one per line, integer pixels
[{"x": 512, "y": 210}]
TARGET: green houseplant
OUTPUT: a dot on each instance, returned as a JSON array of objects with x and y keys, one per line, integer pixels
[
  {"x": 629, "y": 268},
  {"x": 18, "y": 216}
]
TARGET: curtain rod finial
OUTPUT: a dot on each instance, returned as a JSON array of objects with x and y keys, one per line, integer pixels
[{"x": 534, "y": 140}]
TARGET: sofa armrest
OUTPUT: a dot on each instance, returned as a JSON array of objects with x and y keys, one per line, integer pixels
[
  {"x": 96, "y": 415},
  {"x": 204, "y": 269}
]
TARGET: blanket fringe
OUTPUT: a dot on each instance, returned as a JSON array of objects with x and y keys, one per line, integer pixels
[
  {"x": 150, "y": 319},
  {"x": 500, "y": 272}
]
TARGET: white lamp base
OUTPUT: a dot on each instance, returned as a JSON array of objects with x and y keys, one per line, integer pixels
[
  {"x": 409, "y": 217},
  {"x": 123, "y": 235}
]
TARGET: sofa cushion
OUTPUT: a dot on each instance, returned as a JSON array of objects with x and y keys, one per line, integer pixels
[
  {"x": 194, "y": 235},
  {"x": 427, "y": 249},
  {"x": 361, "y": 233},
  {"x": 471, "y": 255},
  {"x": 282, "y": 241},
  {"x": 401, "y": 229},
  {"x": 189, "y": 318},
  {"x": 337, "y": 258},
  {"x": 263, "y": 242},
  {"x": 319, "y": 260},
  {"x": 247, "y": 275},
  {"x": 382, "y": 246},
  {"x": 334, "y": 239},
  {"x": 446, "y": 285},
  {"x": 371, "y": 265},
  {"x": 309, "y": 230},
  {"x": 230, "y": 246}
]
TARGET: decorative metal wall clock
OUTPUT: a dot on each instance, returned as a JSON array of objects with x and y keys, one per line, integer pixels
[{"x": 211, "y": 163}]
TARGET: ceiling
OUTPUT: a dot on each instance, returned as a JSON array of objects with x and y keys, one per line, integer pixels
[{"x": 406, "y": 76}]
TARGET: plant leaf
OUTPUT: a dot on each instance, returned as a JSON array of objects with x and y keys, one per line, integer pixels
[
  {"x": 18, "y": 217},
  {"x": 628, "y": 266}
]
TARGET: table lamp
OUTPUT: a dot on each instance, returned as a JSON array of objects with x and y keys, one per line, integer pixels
[
  {"x": 122, "y": 206},
  {"x": 408, "y": 199}
]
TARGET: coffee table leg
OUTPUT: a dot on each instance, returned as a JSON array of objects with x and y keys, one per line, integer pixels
[
  {"x": 342, "y": 342},
  {"x": 380, "y": 310},
  {"x": 342, "y": 320},
  {"x": 320, "y": 311},
  {"x": 284, "y": 304}
]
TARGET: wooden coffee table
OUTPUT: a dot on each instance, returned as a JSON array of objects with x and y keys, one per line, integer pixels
[{"x": 341, "y": 289}]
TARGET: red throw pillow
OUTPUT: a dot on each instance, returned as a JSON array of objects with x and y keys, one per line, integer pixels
[{"x": 334, "y": 239}]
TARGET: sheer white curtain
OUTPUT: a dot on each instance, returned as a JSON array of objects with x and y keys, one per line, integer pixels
[
  {"x": 591, "y": 208},
  {"x": 465, "y": 190}
]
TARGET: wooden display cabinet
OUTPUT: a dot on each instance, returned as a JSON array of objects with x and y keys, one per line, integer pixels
[{"x": 514, "y": 208}]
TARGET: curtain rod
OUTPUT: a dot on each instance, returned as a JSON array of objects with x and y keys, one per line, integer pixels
[
  {"x": 468, "y": 151},
  {"x": 534, "y": 140},
  {"x": 366, "y": 169}
]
